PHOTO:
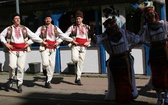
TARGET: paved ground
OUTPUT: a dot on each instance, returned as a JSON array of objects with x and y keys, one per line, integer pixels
[{"x": 65, "y": 92}]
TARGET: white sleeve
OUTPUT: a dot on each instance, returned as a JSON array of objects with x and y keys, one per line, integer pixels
[
  {"x": 100, "y": 38},
  {"x": 69, "y": 30},
  {"x": 132, "y": 38},
  {"x": 38, "y": 31},
  {"x": 33, "y": 36},
  {"x": 64, "y": 36},
  {"x": 165, "y": 23},
  {"x": 3, "y": 35},
  {"x": 59, "y": 40}
]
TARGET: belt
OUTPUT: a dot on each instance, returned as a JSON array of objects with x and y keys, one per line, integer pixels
[
  {"x": 120, "y": 55},
  {"x": 51, "y": 44},
  {"x": 80, "y": 45},
  {"x": 18, "y": 49},
  {"x": 18, "y": 46},
  {"x": 162, "y": 42}
]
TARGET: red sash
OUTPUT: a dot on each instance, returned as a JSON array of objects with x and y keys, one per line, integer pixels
[
  {"x": 51, "y": 44},
  {"x": 81, "y": 41},
  {"x": 18, "y": 46}
]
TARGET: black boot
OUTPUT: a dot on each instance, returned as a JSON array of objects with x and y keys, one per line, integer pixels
[
  {"x": 19, "y": 86},
  {"x": 20, "y": 89},
  {"x": 48, "y": 85},
  {"x": 159, "y": 102},
  {"x": 78, "y": 82},
  {"x": 10, "y": 83},
  {"x": 44, "y": 72}
]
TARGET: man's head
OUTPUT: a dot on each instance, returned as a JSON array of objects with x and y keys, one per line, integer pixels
[
  {"x": 79, "y": 17},
  {"x": 16, "y": 19},
  {"x": 47, "y": 18},
  {"x": 150, "y": 14}
]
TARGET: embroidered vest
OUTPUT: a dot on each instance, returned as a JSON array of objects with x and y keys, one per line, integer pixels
[
  {"x": 74, "y": 33},
  {"x": 44, "y": 32},
  {"x": 44, "y": 35},
  {"x": 9, "y": 34}
]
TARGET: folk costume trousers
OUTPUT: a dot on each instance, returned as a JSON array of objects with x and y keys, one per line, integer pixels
[
  {"x": 78, "y": 56},
  {"x": 48, "y": 62},
  {"x": 17, "y": 61}
]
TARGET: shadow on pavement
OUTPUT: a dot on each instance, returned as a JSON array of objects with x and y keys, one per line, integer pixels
[
  {"x": 146, "y": 91},
  {"x": 70, "y": 99},
  {"x": 34, "y": 82},
  {"x": 39, "y": 98}
]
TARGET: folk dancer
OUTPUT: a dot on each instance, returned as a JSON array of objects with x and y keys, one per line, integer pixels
[
  {"x": 53, "y": 36},
  {"x": 16, "y": 43},
  {"x": 115, "y": 40},
  {"x": 155, "y": 34},
  {"x": 80, "y": 33}
]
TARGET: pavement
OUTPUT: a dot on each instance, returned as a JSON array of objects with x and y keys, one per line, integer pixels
[{"x": 65, "y": 92}]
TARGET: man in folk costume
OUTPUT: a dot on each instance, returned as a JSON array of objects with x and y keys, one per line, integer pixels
[
  {"x": 80, "y": 33},
  {"x": 15, "y": 40},
  {"x": 52, "y": 35},
  {"x": 155, "y": 33},
  {"x": 120, "y": 63}
]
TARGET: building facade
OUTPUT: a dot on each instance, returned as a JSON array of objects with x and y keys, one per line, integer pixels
[{"x": 63, "y": 15}]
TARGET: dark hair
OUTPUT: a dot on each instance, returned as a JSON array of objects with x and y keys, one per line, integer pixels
[
  {"x": 156, "y": 17},
  {"x": 14, "y": 14},
  {"x": 147, "y": 9},
  {"x": 47, "y": 14}
]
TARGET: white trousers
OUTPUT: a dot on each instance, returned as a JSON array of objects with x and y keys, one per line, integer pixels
[
  {"x": 78, "y": 55},
  {"x": 48, "y": 62},
  {"x": 17, "y": 62}
]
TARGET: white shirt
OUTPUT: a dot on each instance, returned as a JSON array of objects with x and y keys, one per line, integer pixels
[
  {"x": 122, "y": 45},
  {"x": 53, "y": 38},
  {"x": 14, "y": 39},
  {"x": 158, "y": 34},
  {"x": 78, "y": 34}
]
